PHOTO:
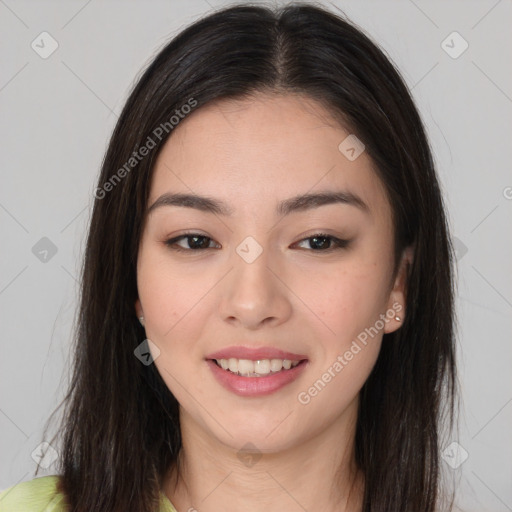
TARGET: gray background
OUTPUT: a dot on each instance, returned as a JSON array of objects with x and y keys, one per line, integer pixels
[{"x": 57, "y": 115}]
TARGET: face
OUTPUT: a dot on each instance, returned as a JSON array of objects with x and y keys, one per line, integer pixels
[{"x": 259, "y": 270}]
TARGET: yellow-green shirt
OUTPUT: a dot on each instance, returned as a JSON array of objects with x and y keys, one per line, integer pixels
[{"x": 41, "y": 495}]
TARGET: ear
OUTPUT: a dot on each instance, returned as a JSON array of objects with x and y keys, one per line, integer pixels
[
  {"x": 398, "y": 294},
  {"x": 138, "y": 309}
]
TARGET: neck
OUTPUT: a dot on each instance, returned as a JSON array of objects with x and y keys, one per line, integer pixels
[{"x": 315, "y": 473}]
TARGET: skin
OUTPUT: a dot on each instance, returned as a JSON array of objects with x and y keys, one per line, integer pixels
[{"x": 292, "y": 297}]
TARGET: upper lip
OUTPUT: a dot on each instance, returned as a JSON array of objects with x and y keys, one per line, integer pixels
[{"x": 254, "y": 354}]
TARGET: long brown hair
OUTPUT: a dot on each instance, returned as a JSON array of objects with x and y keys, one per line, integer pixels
[{"x": 120, "y": 431}]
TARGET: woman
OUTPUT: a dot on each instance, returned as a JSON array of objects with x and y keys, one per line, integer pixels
[{"x": 266, "y": 315}]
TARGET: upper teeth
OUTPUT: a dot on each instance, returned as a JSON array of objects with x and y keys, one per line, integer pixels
[{"x": 260, "y": 367}]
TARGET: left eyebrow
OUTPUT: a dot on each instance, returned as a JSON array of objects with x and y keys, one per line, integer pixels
[
  {"x": 297, "y": 203},
  {"x": 309, "y": 201}
]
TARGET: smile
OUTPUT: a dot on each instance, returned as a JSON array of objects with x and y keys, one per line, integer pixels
[
  {"x": 249, "y": 382},
  {"x": 258, "y": 368}
]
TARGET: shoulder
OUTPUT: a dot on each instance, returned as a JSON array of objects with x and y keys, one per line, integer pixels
[
  {"x": 42, "y": 494},
  {"x": 34, "y": 495}
]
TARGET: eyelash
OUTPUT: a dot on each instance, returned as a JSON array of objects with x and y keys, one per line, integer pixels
[{"x": 337, "y": 242}]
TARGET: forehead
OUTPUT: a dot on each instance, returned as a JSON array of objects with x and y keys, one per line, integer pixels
[{"x": 261, "y": 149}]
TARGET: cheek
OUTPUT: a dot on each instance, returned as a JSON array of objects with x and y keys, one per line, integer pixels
[
  {"x": 175, "y": 307},
  {"x": 347, "y": 300},
  {"x": 349, "y": 304},
  {"x": 166, "y": 293}
]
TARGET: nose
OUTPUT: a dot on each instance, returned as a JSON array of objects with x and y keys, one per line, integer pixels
[{"x": 255, "y": 294}]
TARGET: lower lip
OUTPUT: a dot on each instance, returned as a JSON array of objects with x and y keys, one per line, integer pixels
[{"x": 255, "y": 386}]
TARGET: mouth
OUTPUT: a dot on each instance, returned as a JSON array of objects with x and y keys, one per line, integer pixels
[
  {"x": 257, "y": 368},
  {"x": 255, "y": 371},
  {"x": 256, "y": 378}
]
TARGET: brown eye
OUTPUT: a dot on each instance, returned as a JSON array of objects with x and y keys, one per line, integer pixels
[
  {"x": 193, "y": 241},
  {"x": 322, "y": 242}
]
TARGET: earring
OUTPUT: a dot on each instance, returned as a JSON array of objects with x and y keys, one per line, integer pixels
[
  {"x": 141, "y": 320},
  {"x": 397, "y": 318}
]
